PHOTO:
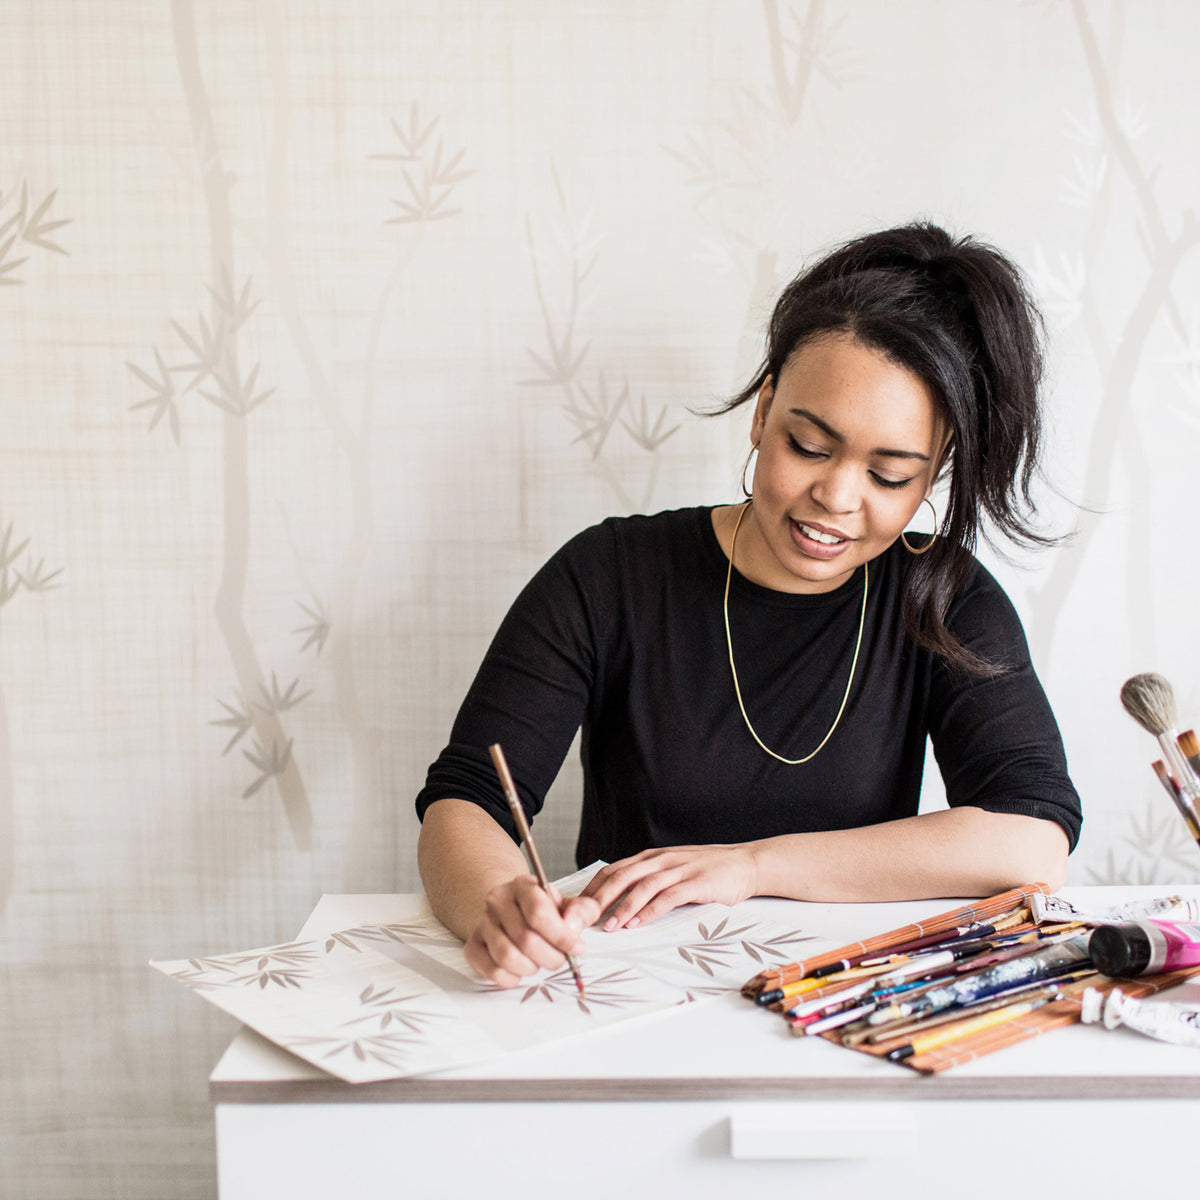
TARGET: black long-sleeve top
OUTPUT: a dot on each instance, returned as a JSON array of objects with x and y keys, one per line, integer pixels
[{"x": 622, "y": 632}]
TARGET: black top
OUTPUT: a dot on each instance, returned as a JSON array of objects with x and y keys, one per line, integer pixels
[{"x": 622, "y": 631}]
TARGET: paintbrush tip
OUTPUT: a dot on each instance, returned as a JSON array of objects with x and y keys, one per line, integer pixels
[
  {"x": 1149, "y": 699},
  {"x": 1189, "y": 743}
]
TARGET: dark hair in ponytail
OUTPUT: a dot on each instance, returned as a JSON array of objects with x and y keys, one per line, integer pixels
[{"x": 956, "y": 313}]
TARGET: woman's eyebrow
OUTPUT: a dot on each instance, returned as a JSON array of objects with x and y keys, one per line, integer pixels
[{"x": 880, "y": 452}]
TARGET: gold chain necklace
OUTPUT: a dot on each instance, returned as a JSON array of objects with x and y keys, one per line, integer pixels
[{"x": 862, "y": 618}]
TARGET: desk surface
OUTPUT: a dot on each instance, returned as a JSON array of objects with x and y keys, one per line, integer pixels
[{"x": 725, "y": 1048}]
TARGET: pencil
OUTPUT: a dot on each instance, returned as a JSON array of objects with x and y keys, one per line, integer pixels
[{"x": 535, "y": 859}]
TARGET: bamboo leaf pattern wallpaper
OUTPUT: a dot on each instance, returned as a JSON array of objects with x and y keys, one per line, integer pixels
[{"x": 323, "y": 325}]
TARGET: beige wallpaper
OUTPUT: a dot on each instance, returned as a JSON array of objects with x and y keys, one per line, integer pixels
[{"x": 322, "y": 325}]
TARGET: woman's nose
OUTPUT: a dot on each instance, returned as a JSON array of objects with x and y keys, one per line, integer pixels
[{"x": 837, "y": 490}]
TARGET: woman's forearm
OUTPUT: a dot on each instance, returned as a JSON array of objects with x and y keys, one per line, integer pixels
[
  {"x": 953, "y": 852},
  {"x": 462, "y": 854}
]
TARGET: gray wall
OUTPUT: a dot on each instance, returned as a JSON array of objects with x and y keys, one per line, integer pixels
[{"x": 322, "y": 325}]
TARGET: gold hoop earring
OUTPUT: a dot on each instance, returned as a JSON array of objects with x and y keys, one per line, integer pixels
[
  {"x": 929, "y": 544},
  {"x": 745, "y": 467}
]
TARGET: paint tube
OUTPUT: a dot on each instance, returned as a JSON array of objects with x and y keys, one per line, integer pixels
[
  {"x": 1145, "y": 947},
  {"x": 1055, "y": 908},
  {"x": 1160, "y": 1019},
  {"x": 1030, "y": 968}
]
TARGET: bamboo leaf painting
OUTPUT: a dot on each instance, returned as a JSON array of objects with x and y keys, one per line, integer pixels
[
  {"x": 238, "y": 718},
  {"x": 269, "y": 763},
  {"x": 7, "y": 264},
  {"x": 648, "y": 436},
  {"x": 35, "y": 230},
  {"x": 8, "y": 552},
  {"x": 235, "y": 392},
  {"x": 10, "y": 584},
  {"x": 207, "y": 346},
  {"x": 236, "y": 308},
  {"x": 594, "y": 410},
  {"x": 430, "y": 187},
  {"x": 164, "y": 397},
  {"x": 315, "y": 633},
  {"x": 35, "y": 578},
  {"x": 32, "y": 229},
  {"x": 375, "y": 1001},
  {"x": 278, "y": 700}
]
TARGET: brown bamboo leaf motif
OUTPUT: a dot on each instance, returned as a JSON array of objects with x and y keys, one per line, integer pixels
[
  {"x": 208, "y": 973},
  {"x": 389, "y": 1049},
  {"x": 608, "y": 991},
  {"x": 406, "y": 933},
  {"x": 388, "y": 1008},
  {"x": 721, "y": 945},
  {"x": 692, "y": 994},
  {"x": 282, "y": 966}
]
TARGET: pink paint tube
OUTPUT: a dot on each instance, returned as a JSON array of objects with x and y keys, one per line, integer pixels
[{"x": 1144, "y": 947}]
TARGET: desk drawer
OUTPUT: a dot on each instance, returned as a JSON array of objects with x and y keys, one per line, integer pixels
[{"x": 698, "y": 1149}]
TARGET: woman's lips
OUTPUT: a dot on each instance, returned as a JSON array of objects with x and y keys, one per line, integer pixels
[{"x": 814, "y": 540}]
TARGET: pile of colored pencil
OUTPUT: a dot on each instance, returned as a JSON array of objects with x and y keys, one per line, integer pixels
[{"x": 946, "y": 990}]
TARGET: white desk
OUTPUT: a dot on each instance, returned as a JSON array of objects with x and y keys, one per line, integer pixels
[{"x": 707, "y": 1100}]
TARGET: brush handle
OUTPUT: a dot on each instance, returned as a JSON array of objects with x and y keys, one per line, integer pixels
[
  {"x": 518, "y": 814},
  {"x": 1179, "y": 765},
  {"x": 1193, "y": 760}
]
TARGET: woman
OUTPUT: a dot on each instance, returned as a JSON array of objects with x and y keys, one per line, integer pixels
[{"x": 756, "y": 682}]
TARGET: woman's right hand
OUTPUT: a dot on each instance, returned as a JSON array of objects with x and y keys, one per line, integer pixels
[{"x": 525, "y": 928}]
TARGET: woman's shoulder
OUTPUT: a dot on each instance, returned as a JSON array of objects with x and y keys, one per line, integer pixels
[{"x": 669, "y": 532}]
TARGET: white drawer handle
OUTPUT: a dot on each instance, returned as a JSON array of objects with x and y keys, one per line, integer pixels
[{"x": 826, "y": 1131}]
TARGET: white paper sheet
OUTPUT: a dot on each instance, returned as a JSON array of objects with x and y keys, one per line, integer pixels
[{"x": 386, "y": 1001}]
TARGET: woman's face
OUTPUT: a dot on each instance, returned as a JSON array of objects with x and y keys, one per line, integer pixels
[{"x": 849, "y": 444}]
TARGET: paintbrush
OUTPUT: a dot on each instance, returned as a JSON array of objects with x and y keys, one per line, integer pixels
[
  {"x": 1189, "y": 747},
  {"x": 535, "y": 859},
  {"x": 1176, "y": 793},
  {"x": 953, "y": 1032},
  {"x": 1149, "y": 700},
  {"x": 872, "y": 1036}
]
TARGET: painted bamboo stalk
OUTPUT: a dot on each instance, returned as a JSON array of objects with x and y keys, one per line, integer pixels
[{"x": 274, "y": 747}]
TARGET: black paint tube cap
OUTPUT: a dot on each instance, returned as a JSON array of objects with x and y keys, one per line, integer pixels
[{"x": 1120, "y": 949}]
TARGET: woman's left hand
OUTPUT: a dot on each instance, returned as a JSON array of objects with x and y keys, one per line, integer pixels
[{"x": 638, "y": 889}]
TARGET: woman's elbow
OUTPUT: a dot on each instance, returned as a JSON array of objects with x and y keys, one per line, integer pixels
[{"x": 1036, "y": 850}]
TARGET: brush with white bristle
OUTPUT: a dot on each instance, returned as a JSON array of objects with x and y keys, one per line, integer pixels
[{"x": 1150, "y": 701}]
